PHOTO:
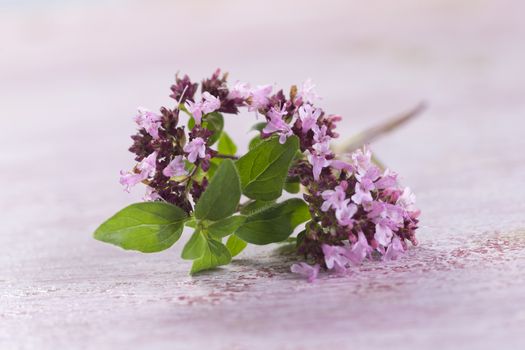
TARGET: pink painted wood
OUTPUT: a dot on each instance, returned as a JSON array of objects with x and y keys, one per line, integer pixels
[{"x": 71, "y": 77}]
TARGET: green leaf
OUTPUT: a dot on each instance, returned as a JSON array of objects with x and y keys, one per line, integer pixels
[
  {"x": 255, "y": 142},
  {"x": 300, "y": 238},
  {"x": 292, "y": 187},
  {"x": 215, "y": 254},
  {"x": 226, "y": 145},
  {"x": 212, "y": 121},
  {"x": 147, "y": 227},
  {"x": 195, "y": 246},
  {"x": 264, "y": 168},
  {"x": 259, "y": 126},
  {"x": 225, "y": 227},
  {"x": 235, "y": 245},
  {"x": 275, "y": 223},
  {"x": 214, "y": 165},
  {"x": 222, "y": 195},
  {"x": 256, "y": 206}
]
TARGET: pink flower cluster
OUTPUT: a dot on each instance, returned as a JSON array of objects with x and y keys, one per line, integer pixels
[
  {"x": 359, "y": 212},
  {"x": 168, "y": 155}
]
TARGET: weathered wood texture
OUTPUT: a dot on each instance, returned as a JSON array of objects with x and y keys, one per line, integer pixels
[{"x": 71, "y": 77}]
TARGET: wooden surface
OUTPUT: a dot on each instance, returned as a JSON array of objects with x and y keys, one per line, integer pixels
[{"x": 71, "y": 77}]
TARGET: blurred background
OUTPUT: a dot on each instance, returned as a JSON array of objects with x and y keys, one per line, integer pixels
[{"x": 73, "y": 72}]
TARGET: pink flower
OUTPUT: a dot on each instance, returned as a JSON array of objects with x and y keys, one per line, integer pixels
[
  {"x": 149, "y": 121},
  {"x": 239, "y": 90},
  {"x": 370, "y": 175},
  {"x": 318, "y": 163},
  {"x": 345, "y": 213},
  {"x": 196, "y": 148},
  {"x": 395, "y": 249},
  {"x": 362, "y": 159},
  {"x": 308, "y": 271},
  {"x": 383, "y": 234},
  {"x": 320, "y": 135},
  {"x": 144, "y": 169},
  {"x": 407, "y": 200},
  {"x": 150, "y": 195},
  {"x": 175, "y": 167},
  {"x": 195, "y": 108},
  {"x": 387, "y": 218},
  {"x": 309, "y": 115},
  {"x": 129, "y": 180},
  {"x": 334, "y": 257},
  {"x": 259, "y": 97},
  {"x": 359, "y": 250},
  {"x": 322, "y": 148},
  {"x": 277, "y": 124},
  {"x": 342, "y": 165},
  {"x": 210, "y": 103},
  {"x": 307, "y": 92},
  {"x": 387, "y": 180},
  {"x": 362, "y": 192},
  {"x": 334, "y": 198}
]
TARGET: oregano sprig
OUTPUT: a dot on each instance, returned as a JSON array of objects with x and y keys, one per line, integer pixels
[{"x": 350, "y": 209}]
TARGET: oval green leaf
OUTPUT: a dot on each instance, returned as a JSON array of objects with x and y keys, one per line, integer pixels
[
  {"x": 147, "y": 227},
  {"x": 195, "y": 246},
  {"x": 274, "y": 223},
  {"x": 215, "y": 254},
  {"x": 235, "y": 245},
  {"x": 222, "y": 195},
  {"x": 254, "y": 142},
  {"x": 225, "y": 227},
  {"x": 264, "y": 168},
  {"x": 226, "y": 145},
  {"x": 256, "y": 206}
]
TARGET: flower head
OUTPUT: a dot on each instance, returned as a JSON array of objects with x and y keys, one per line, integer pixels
[
  {"x": 210, "y": 103},
  {"x": 363, "y": 191},
  {"x": 362, "y": 159},
  {"x": 309, "y": 116},
  {"x": 196, "y": 148},
  {"x": 407, "y": 200},
  {"x": 334, "y": 198},
  {"x": 334, "y": 257},
  {"x": 143, "y": 170},
  {"x": 239, "y": 91},
  {"x": 148, "y": 121},
  {"x": 345, "y": 214},
  {"x": 360, "y": 249},
  {"x": 307, "y": 92},
  {"x": 277, "y": 124},
  {"x": 259, "y": 97},
  {"x": 175, "y": 167},
  {"x": 320, "y": 134},
  {"x": 183, "y": 89},
  {"x": 319, "y": 162},
  {"x": 195, "y": 108},
  {"x": 150, "y": 195}
]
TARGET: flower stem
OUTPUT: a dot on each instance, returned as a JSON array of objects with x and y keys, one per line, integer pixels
[{"x": 381, "y": 129}]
